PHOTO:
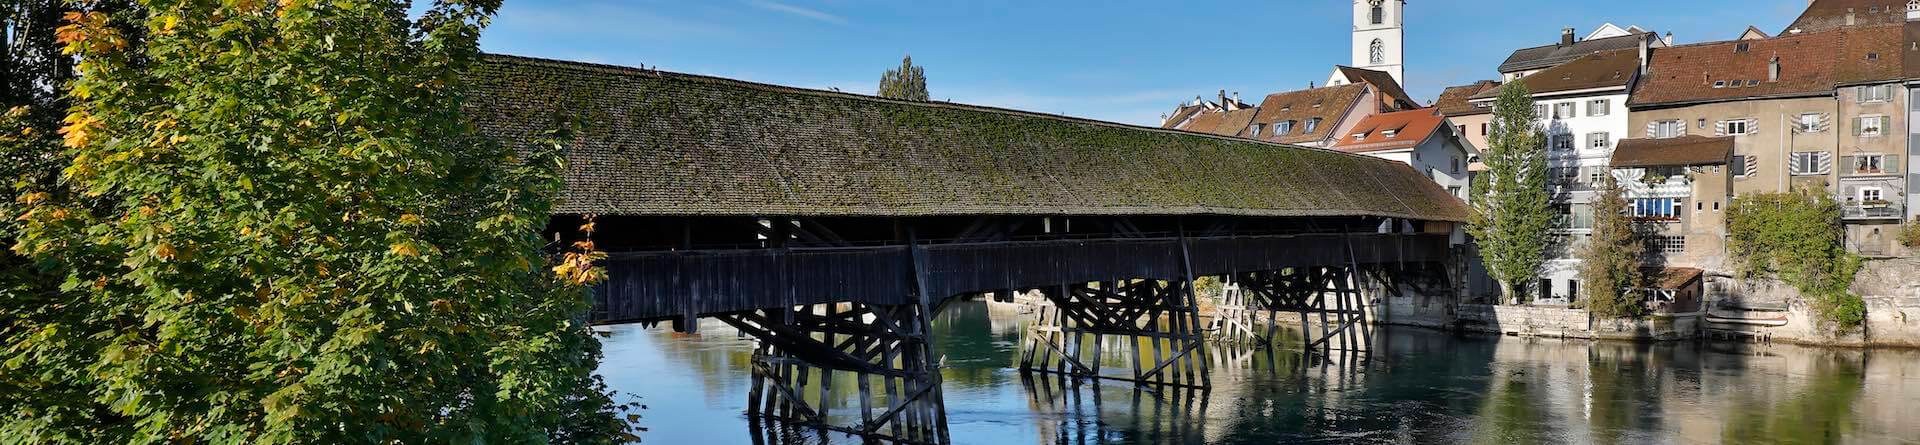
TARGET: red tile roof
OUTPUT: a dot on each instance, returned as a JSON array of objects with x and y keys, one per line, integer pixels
[
  {"x": 1684, "y": 151},
  {"x": 1810, "y": 64},
  {"x": 1828, "y": 15},
  {"x": 1392, "y": 96},
  {"x": 1329, "y": 104},
  {"x": 1409, "y": 128},
  {"x": 1598, "y": 70},
  {"x": 1453, "y": 100}
]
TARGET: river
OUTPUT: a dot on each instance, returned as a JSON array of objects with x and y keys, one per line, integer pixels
[{"x": 1418, "y": 386}]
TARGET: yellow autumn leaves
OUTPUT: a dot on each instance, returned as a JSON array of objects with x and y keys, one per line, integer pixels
[{"x": 577, "y": 265}]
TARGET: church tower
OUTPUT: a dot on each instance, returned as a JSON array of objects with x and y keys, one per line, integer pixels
[{"x": 1379, "y": 36}]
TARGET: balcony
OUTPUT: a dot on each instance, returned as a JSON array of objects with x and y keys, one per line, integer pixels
[{"x": 1865, "y": 210}]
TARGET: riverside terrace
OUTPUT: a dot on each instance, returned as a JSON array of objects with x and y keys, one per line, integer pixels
[{"x": 832, "y": 226}]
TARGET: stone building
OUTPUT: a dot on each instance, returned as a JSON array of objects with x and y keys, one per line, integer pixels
[{"x": 1809, "y": 109}]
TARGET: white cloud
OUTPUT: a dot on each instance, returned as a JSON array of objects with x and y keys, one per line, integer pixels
[{"x": 799, "y": 11}]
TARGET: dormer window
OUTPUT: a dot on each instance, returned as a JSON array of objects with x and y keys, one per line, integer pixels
[
  {"x": 1359, "y": 136},
  {"x": 1389, "y": 133},
  {"x": 1311, "y": 124},
  {"x": 1740, "y": 47},
  {"x": 1719, "y": 84},
  {"x": 1283, "y": 127}
]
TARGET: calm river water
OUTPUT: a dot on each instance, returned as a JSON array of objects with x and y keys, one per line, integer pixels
[{"x": 1420, "y": 386}]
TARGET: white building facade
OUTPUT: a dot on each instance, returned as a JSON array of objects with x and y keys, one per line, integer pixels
[{"x": 1379, "y": 36}]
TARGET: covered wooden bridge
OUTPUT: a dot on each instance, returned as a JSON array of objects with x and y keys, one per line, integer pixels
[{"x": 830, "y": 226}]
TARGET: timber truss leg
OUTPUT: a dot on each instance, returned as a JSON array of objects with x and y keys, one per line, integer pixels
[
  {"x": 1153, "y": 324},
  {"x": 884, "y": 348},
  {"x": 1331, "y": 308}
]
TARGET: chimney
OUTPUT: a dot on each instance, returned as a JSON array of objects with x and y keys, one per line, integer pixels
[
  {"x": 1236, "y": 97},
  {"x": 1566, "y": 36},
  {"x": 1646, "y": 52},
  {"x": 1773, "y": 69},
  {"x": 1849, "y": 16},
  {"x": 1223, "y": 98}
]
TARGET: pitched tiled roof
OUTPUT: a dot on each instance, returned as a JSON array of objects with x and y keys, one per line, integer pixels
[
  {"x": 1329, "y": 104},
  {"x": 655, "y": 143},
  {"x": 1453, "y": 100},
  {"x": 1682, "y": 151},
  {"x": 1409, "y": 128},
  {"x": 1871, "y": 54},
  {"x": 1828, "y": 15},
  {"x": 1180, "y": 116},
  {"x": 1392, "y": 95},
  {"x": 1810, "y": 64},
  {"x": 1669, "y": 277},
  {"x": 1598, "y": 70},
  {"x": 1541, "y": 57}
]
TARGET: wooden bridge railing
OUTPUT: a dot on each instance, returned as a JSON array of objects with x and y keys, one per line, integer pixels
[{"x": 655, "y": 286}]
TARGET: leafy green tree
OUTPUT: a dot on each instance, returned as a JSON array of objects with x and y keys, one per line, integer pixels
[
  {"x": 907, "y": 83},
  {"x": 1797, "y": 237},
  {"x": 1511, "y": 213},
  {"x": 1610, "y": 261},
  {"x": 273, "y": 225}
]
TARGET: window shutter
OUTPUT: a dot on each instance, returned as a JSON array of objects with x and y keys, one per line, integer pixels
[
  {"x": 1826, "y": 121},
  {"x": 1847, "y": 161},
  {"x": 1653, "y": 129},
  {"x": 1891, "y": 164},
  {"x": 1720, "y": 128},
  {"x": 1753, "y": 126},
  {"x": 1683, "y": 129},
  {"x": 1753, "y": 165},
  {"x": 1857, "y": 123},
  {"x": 1826, "y": 163}
]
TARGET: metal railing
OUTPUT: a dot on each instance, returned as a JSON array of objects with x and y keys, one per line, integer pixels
[{"x": 1859, "y": 210}]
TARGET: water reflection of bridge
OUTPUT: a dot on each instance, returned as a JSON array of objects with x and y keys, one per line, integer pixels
[{"x": 831, "y": 227}]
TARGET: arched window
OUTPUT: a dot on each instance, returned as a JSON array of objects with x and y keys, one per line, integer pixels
[{"x": 1377, "y": 52}]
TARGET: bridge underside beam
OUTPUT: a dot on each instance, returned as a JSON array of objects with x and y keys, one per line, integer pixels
[
  {"x": 801, "y": 350},
  {"x": 1153, "y": 324},
  {"x": 1331, "y": 308}
]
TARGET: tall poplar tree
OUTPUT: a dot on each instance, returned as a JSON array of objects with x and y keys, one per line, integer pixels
[
  {"x": 1610, "y": 262},
  {"x": 1512, "y": 214},
  {"x": 273, "y": 225},
  {"x": 906, "y": 83}
]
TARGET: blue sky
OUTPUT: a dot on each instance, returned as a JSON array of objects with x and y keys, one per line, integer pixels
[{"x": 1124, "y": 61}]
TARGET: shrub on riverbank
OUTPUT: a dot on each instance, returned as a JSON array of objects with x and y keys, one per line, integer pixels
[
  {"x": 1797, "y": 237},
  {"x": 273, "y": 225},
  {"x": 1910, "y": 235}
]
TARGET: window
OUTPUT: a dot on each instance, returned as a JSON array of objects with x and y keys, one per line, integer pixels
[
  {"x": 1377, "y": 52},
  {"x": 1873, "y": 93},
  {"x": 1562, "y": 141},
  {"x": 1254, "y": 131},
  {"x": 1540, "y": 111},
  {"x": 1599, "y": 107},
  {"x": 1311, "y": 124},
  {"x": 1871, "y": 164},
  {"x": 1359, "y": 136},
  {"x": 1598, "y": 141},
  {"x": 1379, "y": 14},
  {"x": 1455, "y": 191},
  {"x": 1656, "y": 209},
  {"x": 1283, "y": 127},
  {"x": 1739, "y": 165},
  {"x": 1563, "y": 110},
  {"x": 1719, "y": 84},
  {"x": 1669, "y": 129},
  {"x": 1670, "y": 244},
  {"x": 1701, "y": 123},
  {"x": 1737, "y": 127},
  {"x": 1562, "y": 175},
  {"x": 1460, "y": 129},
  {"x": 1455, "y": 162},
  {"x": 1389, "y": 132},
  {"x": 1596, "y": 174},
  {"x": 1869, "y": 126},
  {"x": 1483, "y": 128},
  {"x": 1872, "y": 195},
  {"x": 1810, "y": 122},
  {"x": 1807, "y": 163},
  {"x": 1573, "y": 289}
]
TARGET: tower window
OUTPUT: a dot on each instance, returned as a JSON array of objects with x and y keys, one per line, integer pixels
[
  {"x": 1377, "y": 52},
  {"x": 1379, "y": 15}
]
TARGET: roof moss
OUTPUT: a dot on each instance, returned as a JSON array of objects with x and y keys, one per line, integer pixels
[{"x": 658, "y": 143}]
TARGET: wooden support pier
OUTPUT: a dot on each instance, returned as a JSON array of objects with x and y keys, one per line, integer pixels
[{"x": 885, "y": 347}]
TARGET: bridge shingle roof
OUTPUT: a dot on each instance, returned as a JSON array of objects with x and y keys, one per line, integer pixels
[{"x": 659, "y": 143}]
